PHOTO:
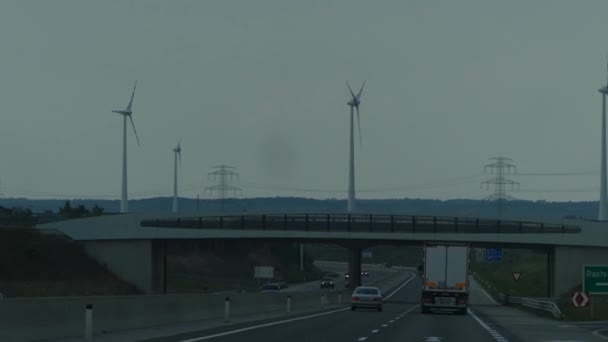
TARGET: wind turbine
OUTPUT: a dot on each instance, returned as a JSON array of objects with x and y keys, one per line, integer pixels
[
  {"x": 178, "y": 154},
  {"x": 124, "y": 206},
  {"x": 353, "y": 103},
  {"x": 603, "y": 210}
]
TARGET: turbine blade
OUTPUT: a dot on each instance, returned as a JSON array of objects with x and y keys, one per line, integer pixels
[
  {"x": 359, "y": 125},
  {"x": 351, "y": 90},
  {"x": 361, "y": 90},
  {"x": 179, "y": 155},
  {"x": 134, "y": 130},
  {"x": 132, "y": 96}
]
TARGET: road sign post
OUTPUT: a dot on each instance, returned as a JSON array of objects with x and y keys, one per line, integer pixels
[
  {"x": 595, "y": 279},
  {"x": 591, "y": 309}
]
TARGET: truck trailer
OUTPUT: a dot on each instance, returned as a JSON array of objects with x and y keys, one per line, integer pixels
[{"x": 445, "y": 278}]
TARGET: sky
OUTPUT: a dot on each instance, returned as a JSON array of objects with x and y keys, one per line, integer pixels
[{"x": 260, "y": 85}]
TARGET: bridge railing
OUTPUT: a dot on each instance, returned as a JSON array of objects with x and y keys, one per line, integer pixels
[{"x": 360, "y": 223}]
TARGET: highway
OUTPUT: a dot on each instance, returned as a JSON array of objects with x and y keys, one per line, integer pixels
[
  {"x": 376, "y": 274},
  {"x": 400, "y": 321}
]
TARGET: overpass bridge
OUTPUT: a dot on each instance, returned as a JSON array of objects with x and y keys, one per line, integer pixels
[{"x": 134, "y": 246}]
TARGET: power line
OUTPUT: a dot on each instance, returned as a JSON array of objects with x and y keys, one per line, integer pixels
[
  {"x": 500, "y": 168},
  {"x": 384, "y": 189},
  {"x": 223, "y": 174},
  {"x": 583, "y": 173}
]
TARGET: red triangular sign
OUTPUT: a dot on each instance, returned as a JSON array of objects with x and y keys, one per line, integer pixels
[{"x": 516, "y": 275}]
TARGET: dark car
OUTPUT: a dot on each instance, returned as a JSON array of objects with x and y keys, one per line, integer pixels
[
  {"x": 328, "y": 282},
  {"x": 271, "y": 287},
  {"x": 365, "y": 274}
]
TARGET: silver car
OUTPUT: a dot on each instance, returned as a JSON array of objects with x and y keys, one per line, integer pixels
[{"x": 366, "y": 297}]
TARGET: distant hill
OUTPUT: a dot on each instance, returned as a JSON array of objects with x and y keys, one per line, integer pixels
[{"x": 458, "y": 207}]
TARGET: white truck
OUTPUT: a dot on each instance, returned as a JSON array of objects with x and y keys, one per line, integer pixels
[{"x": 445, "y": 277}]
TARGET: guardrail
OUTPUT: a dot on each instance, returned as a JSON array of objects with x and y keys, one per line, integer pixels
[
  {"x": 544, "y": 304},
  {"x": 361, "y": 223}
]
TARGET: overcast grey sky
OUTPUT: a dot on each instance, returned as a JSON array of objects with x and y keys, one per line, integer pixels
[{"x": 260, "y": 85}]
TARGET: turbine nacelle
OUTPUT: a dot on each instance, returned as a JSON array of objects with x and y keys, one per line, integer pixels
[
  {"x": 122, "y": 112},
  {"x": 127, "y": 112},
  {"x": 603, "y": 90},
  {"x": 356, "y": 99},
  {"x": 354, "y": 103}
]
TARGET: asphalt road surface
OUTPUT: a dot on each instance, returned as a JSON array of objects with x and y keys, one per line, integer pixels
[
  {"x": 376, "y": 275},
  {"x": 400, "y": 321}
]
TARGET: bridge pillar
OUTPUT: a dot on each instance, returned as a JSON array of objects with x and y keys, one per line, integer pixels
[
  {"x": 354, "y": 266},
  {"x": 566, "y": 268},
  {"x": 159, "y": 267},
  {"x": 551, "y": 271}
]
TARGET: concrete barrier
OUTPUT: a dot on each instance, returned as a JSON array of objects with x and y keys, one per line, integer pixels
[
  {"x": 46, "y": 318},
  {"x": 64, "y": 317}
]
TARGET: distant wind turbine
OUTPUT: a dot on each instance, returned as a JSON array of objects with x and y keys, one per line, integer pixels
[
  {"x": 124, "y": 206},
  {"x": 354, "y": 103},
  {"x": 178, "y": 155},
  {"x": 603, "y": 210}
]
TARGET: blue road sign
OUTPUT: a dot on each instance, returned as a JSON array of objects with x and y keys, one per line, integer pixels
[{"x": 493, "y": 255}]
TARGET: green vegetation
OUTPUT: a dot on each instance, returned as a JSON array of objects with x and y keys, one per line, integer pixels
[
  {"x": 68, "y": 212},
  {"x": 531, "y": 264},
  {"x": 599, "y": 311},
  {"x": 36, "y": 265},
  {"x": 533, "y": 282},
  {"x": 18, "y": 217},
  {"x": 212, "y": 266},
  {"x": 397, "y": 255}
]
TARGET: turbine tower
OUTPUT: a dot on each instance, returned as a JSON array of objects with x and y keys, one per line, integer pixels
[
  {"x": 178, "y": 154},
  {"x": 603, "y": 210},
  {"x": 124, "y": 207},
  {"x": 353, "y": 103}
]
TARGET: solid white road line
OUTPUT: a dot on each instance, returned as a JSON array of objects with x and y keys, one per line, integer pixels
[
  {"x": 262, "y": 326},
  {"x": 497, "y": 336},
  {"x": 487, "y": 295},
  {"x": 231, "y": 332},
  {"x": 599, "y": 334},
  {"x": 400, "y": 287}
]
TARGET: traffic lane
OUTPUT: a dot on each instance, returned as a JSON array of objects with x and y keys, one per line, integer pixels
[
  {"x": 375, "y": 278},
  {"x": 444, "y": 327},
  {"x": 525, "y": 326},
  {"x": 343, "y": 325},
  {"x": 478, "y": 295},
  {"x": 437, "y": 326}
]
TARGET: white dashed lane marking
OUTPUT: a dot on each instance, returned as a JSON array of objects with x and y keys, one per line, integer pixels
[
  {"x": 362, "y": 338},
  {"x": 497, "y": 336},
  {"x": 375, "y": 331}
]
